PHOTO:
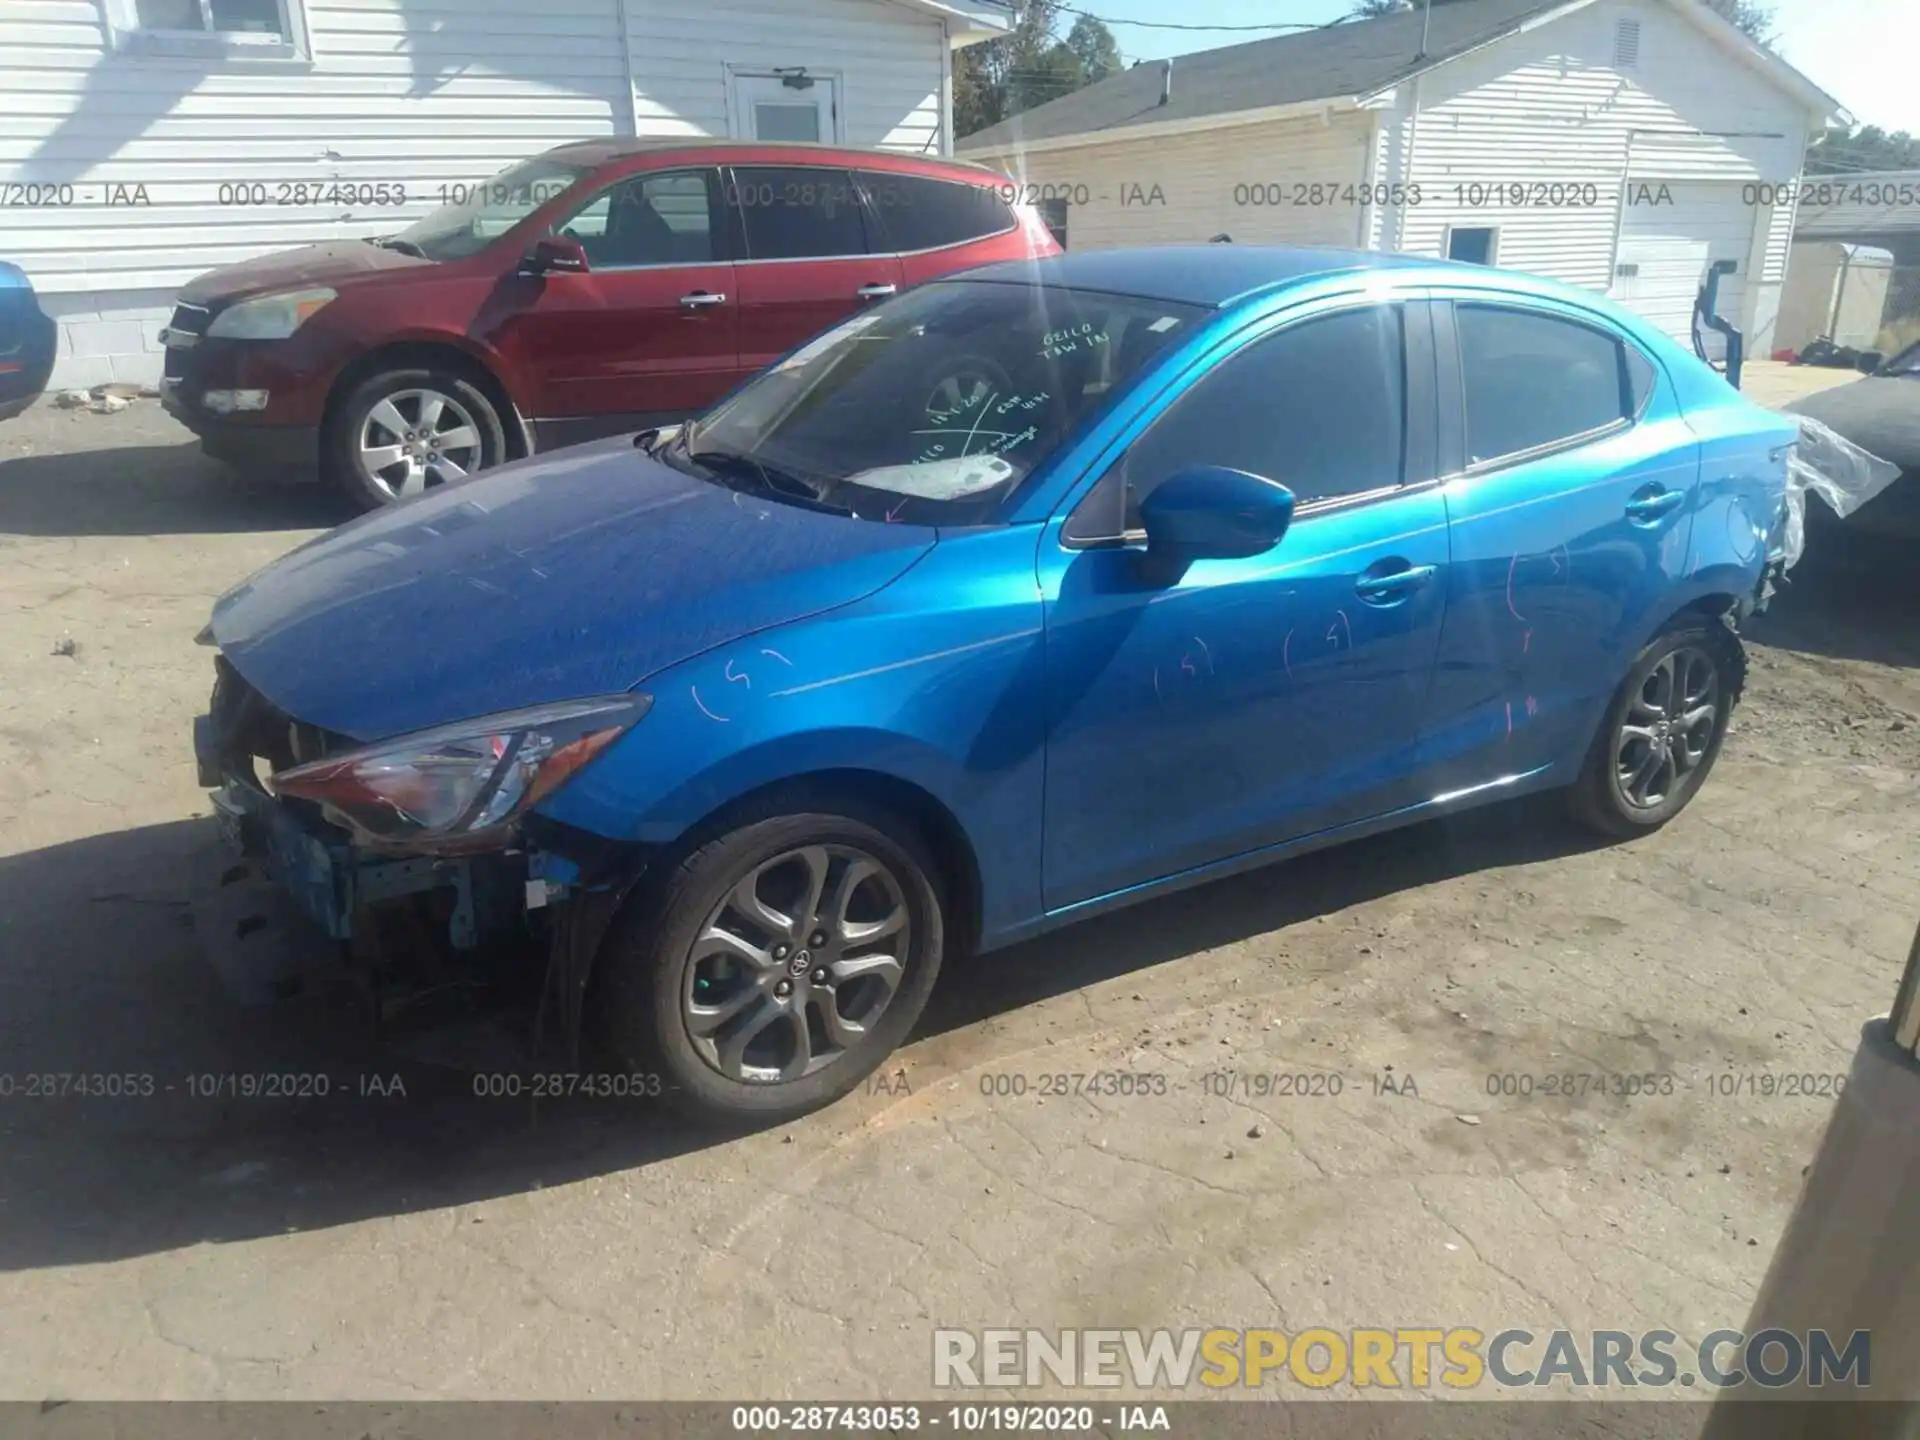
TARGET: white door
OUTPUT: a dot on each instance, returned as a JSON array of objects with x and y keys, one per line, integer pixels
[
  {"x": 786, "y": 107},
  {"x": 1670, "y": 232}
]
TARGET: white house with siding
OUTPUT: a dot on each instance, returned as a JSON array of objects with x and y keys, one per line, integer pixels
[
  {"x": 1620, "y": 145},
  {"x": 143, "y": 142}
]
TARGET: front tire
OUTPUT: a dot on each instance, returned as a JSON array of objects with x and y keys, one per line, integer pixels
[
  {"x": 1663, "y": 730},
  {"x": 402, "y": 432},
  {"x": 776, "y": 966}
]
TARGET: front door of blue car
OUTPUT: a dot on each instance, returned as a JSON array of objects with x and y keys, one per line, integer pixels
[
  {"x": 1571, "y": 510},
  {"x": 1200, "y": 716}
]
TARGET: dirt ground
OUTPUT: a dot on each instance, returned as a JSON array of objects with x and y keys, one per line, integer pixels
[{"x": 439, "y": 1245}]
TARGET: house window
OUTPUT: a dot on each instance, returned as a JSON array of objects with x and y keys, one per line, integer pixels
[
  {"x": 1474, "y": 244},
  {"x": 258, "y": 28}
]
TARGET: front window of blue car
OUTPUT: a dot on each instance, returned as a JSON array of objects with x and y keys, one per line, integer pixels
[{"x": 932, "y": 408}]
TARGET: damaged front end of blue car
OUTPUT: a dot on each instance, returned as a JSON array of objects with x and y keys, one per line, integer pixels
[
  {"x": 416, "y": 846},
  {"x": 347, "y": 824}
]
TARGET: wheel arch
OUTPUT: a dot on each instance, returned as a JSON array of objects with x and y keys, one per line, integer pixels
[
  {"x": 1713, "y": 602},
  {"x": 439, "y": 351},
  {"x": 935, "y": 821}
]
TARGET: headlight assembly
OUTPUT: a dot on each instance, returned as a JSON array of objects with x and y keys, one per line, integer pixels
[
  {"x": 460, "y": 787},
  {"x": 269, "y": 317}
]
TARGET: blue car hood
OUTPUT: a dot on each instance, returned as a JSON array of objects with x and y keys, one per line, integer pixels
[{"x": 578, "y": 574}]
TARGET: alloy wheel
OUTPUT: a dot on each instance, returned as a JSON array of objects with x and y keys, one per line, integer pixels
[
  {"x": 1668, "y": 728},
  {"x": 416, "y": 438},
  {"x": 796, "y": 964}
]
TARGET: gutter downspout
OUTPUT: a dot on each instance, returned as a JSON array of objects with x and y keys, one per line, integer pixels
[
  {"x": 1407, "y": 171},
  {"x": 948, "y": 55},
  {"x": 629, "y": 120},
  {"x": 1413, "y": 129}
]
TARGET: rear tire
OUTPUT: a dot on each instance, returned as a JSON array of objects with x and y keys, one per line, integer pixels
[
  {"x": 1663, "y": 729},
  {"x": 765, "y": 1022},
  {"x": 430, "y": 426}
]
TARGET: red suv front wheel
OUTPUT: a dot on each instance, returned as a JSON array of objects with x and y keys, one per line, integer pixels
[{"x": 403, "y": 431}]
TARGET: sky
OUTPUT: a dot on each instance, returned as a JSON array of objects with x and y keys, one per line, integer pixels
[{"x": 1862, "y": 52}]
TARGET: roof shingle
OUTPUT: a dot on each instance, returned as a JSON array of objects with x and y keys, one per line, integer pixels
[{"x": 1356, "y": 57}]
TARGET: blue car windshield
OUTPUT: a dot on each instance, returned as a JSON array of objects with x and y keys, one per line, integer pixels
[{"x": 933, "y": 407}]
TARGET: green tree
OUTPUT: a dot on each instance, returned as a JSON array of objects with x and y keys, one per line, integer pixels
[
  {"x": 1868, "y": 148},
  {"x": 1753, "y": 19},
  {"x": 1094, "y": 49},
  {"x": 1029, "y": 66}
]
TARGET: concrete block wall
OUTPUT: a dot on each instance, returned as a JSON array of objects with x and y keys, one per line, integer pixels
[{"x": 107, "y": 336}]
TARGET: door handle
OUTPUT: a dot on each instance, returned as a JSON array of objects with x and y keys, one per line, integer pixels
[
  {"x": 1374, "y": 587},
  {"x": 702, "y": 299},
  {"x": 876, "y": 292},
  {"x": 1645, "y": 509}
]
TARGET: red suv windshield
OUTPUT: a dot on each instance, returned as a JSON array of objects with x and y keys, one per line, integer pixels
[{"x": 477, "y": 215}]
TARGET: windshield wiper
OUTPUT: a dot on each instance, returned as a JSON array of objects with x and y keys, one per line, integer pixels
[
  {"x": 772, "y": 480},
  {"x": 394, "y": 242}
]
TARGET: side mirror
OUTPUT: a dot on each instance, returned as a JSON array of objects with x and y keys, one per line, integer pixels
[
  {"x": 555, "y": 253},
  {"x": 1211, "y": 513},
  {"x": 1870, "y": 361}
]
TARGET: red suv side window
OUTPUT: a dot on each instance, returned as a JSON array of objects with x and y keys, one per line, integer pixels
[
  {"x": 921, "y": 213},
  {"x": 799, "y": 213}
]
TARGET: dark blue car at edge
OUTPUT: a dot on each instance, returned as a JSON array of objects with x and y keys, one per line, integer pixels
[
  {"x": 1027, "y": 594},
  {"x": 29, "y": 339}
]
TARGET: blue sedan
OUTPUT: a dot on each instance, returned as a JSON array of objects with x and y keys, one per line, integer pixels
[{"x": 1025, "y": 595}]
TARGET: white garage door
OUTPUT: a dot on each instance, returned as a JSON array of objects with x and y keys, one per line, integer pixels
[{"x": 1670, "y": 233}]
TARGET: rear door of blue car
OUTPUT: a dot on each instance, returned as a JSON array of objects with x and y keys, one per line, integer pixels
[
  {"x": 1571, "y": 503},
  {"x": 1253, "y": 701}
]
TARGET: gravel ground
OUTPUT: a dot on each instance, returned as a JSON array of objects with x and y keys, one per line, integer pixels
[{"x": 374, "y": 1246}]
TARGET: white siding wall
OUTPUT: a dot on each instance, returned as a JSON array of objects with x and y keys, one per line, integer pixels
[
  {"x": 414, "y": 93},
  {"x": 1200, "y": 178},
  {"x": 889, "y": 62},
  {"x": 1550, "y": 106}
]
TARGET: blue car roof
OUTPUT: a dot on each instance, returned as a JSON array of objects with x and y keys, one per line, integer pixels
[{"x": 1211, "y": 275}]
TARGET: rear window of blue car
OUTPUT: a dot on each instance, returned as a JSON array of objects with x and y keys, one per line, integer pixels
[{"x": 1534, "y": 381}]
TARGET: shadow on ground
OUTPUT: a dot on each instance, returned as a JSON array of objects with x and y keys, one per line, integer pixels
[
  {"x": 107, "y": 979},
  {"x": 166, "y": 489},
  {"x": 1852, "y": 597}
]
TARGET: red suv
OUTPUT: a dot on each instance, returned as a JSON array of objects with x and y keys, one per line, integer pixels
[{"x": 604, "y": 286}]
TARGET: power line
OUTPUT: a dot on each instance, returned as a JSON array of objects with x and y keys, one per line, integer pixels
[{"x": 1175, "y": 25}]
